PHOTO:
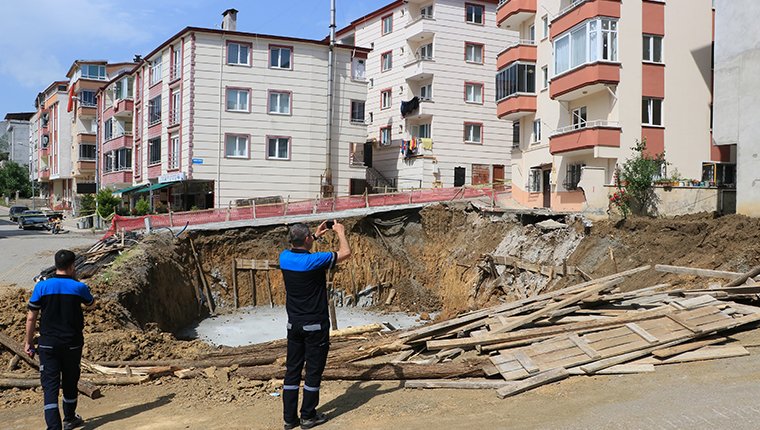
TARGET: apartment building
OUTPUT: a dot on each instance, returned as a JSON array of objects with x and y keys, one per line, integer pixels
[
  {"x": 33, "y": 156},
  {"x": 737, "y": 105},
  {"x": 431, "y": 94},
  {"x": 590, "y": 77},
  {"x": 222, "y": 115},
  {"x": 115, "y": 113},
  {"x": 14, "y": 132},
  {"x": 53, "y": 155}
]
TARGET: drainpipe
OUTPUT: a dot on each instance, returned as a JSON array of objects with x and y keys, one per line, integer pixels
[
  {"x": 97, "y": 162},
  {"x": 221, "y": 111},
  {"x": 327, "y": 185}
]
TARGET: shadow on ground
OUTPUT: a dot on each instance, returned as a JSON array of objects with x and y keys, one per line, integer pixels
[
  {"x": 355, "y": 396},
  {"x": 93, "y": 423}
]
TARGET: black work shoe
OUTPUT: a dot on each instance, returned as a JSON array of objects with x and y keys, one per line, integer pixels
[
  {"x": 307, "y": 423},
  {"x": 73, "y": 423},
  {"x": 291, "y": 426}
]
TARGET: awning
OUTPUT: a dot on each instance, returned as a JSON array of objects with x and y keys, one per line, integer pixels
[
  {"x": 542, "y": 166},
  {"x": 155, "y": 187},
  {"x": 129, "y": 189}
]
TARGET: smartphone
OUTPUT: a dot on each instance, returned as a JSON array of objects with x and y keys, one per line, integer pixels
[{"x": 329, "y": 224}]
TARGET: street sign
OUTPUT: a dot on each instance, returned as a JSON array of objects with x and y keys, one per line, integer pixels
[{"x": 197, "y": 160}]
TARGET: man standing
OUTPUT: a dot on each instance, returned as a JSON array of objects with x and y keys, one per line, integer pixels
[
  {"x": 60, "y": 300},
  {"x": 305, "y": 276}
]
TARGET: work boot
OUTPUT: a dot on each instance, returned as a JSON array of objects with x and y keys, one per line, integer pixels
[
  {"x": 291, "y": 426},
  {"x": 307, "y": 423},
  {"x": 73, "y": 423}
]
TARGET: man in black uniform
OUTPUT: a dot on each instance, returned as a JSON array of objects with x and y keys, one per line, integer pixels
[
  {"x": 305, "y": 276},
  {"x": 60, "y": 300}
]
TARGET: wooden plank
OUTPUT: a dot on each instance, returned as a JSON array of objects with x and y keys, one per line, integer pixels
[
  {"x": 620, "y": 369},
  {"x": 559, "y": 305},
  {"x": 252, "y": 275},
  {"x": 743, "y": 278},
  {"x": 234, "y": 283},
  {"x": 563, "y": 312},
  {"x": 537, "y": 380},
  {"x": 526, "y": 362},
  {"x": 707, "y": 273},
  {"x": 461, "y": 384},
  {"x": 403, "y": 355},
  {"x": 592, "y": 368},
  {"x": 686, "y": 347},
  {"x": 696, "y": 302},
  {"x": 206, "y": 288},
  {"x": 269, "y": 291},
  {"x": 709, "y": 353},
  {"x": 490, "y": 370},
  {"x": 641, "y": 332},
  {"x": 676, "y": 319},
  {"x": 580, "y": 343}
]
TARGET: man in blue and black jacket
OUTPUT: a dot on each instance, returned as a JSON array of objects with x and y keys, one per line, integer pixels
[
  {"x": 60, "y": 301},
  {"x": 305, "y": 276}
]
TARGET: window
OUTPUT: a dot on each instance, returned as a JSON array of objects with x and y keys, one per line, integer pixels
[
  {"x": 176, "y": 102},
  {"x": 238, "y": 100},
  {"x": 473, "y": 53},
  {"x": 385, "y": 136},
  {"x": 122, "y": 159},
  {"x": 573, "y": 176},
  {"x": 279, "y": 57},
  {"x": 176, "y": 62},
  {"x": 517, "y": 78},
  {"x": 426, "y": 92},
  {"x": 278, "y": 148},
  {"x": 595, "y": 40},
  {"x": 473, "y": 93},
  {"x": 534, "y": 181},
  {"x": 173, "y": 160},
  {"x": 427, "y": 12},
  {"x": 108, "y": 129},
  {"x": 545, "y": 26},
  {"x": 238, "y": 54},
  {"x": 154, "y": 110},
  {"x": 425, "y": 52},
  {"x": 532, "y": 34},
  {"x": 279, "y": 102},
  {"x": 357, "y": 111},
  {"x": 236, "y": 146},
  {"x": 579, "y": 117},
  {"x": 651, "y": 111},
  {"x": 473, "y": 132},
  {"x": 86, "y": 98},
  {"x": 93, "y": 71},
  {"x": 359, "y": 69},
  {"x": 138, "y": 160},
  {"x": 422, "y": 131},
  {"x": 123, "y": 89},
  {"x": 138, "y": 121},
  {"x": 545, "y": 77},
  {"x": 387, "y": 24},
  {"x": 385, "y": 99},
  {"x": 109, "y": 161},
  {"x": 87, "y": 152},
  {"x": 154, "y": 151},
  {"x": 386, "y": 61},
  {"x": 536, "y": 137},
  {"x": 155, "y": 71},
  {"x": 653, "y": 48},
  {"x": 474, "y": 13},
  {"x": 516, "y": 134}
]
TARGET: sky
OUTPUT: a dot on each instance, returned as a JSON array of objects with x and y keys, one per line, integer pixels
[{"x": 40, "y": 39}]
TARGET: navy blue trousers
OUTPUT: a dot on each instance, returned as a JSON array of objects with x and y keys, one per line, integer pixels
[
  {"x": 59, "y": 371},
  {"x": 307, "y": 344}
]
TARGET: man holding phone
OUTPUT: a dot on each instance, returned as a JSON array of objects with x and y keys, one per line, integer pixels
[
  {"x": 60, "y": 300},
  {"x": 305, "y": 275}
]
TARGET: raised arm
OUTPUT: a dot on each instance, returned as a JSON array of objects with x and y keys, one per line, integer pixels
[{"x": 344, "y": 251}]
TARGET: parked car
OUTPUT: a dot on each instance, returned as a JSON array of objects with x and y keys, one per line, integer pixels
[
  {"x": 32, "y": 219},
  {"x": 16, "y": 211}
]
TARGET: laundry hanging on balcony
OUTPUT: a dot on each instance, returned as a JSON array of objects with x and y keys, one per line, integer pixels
[
  {"x": 410, "y": 148},
  {"x": 409, "y": 106}
]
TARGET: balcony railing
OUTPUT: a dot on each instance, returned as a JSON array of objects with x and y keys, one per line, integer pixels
[
  {"x": 586, "y": 124},
  {"x": 174, "y": 117},
  {"x": 173, "y": 161}
]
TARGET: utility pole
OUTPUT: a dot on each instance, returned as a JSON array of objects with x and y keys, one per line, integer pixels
[{"x": 327, "y": 183}]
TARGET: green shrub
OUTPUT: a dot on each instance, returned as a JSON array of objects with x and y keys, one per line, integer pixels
[{"x": 142, "y": 207}]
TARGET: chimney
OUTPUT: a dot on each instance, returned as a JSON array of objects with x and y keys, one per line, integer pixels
[
  {"x": 229, "y": 20},
  {"x": 137, "y": 59}
]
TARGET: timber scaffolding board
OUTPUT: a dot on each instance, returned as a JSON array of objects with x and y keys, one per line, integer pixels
[{"x": 542, "y": 269}]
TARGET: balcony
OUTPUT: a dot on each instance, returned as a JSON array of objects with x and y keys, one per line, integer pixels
[
  {"x": 420, "y": 29},
  {"x": 44, "y": 152},
  {"x": 117, "y": 177},
  {"x": 123, "y": 108},
  {"x": 511, "y": 13},
  {"x": 44, "y": 174},
  {"x": 86, "y": 138},
  {"x": 85, "y": 167},
  {"x": 86, "y": 111},
  {"x": 423, "y": 112},
  {"x": 592, "y": 135},
  {"x": 584, "y": 80},
  {"x": 419, "y": 69},
  {"x": 524, "y": 50},
  {"x": 580, "y": 11},
  {"x": 516, "y": 106},
  {"x": 123, "y": 140},
  {"x": 174, "y": 117}
]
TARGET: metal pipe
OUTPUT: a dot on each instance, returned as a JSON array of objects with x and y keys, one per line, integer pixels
[{"x": 327, "y": 186}]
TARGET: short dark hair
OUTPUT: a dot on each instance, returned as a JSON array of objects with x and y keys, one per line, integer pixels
[
  {"x": 298, "y": 234},
  {"x": 64, "y": 259}
]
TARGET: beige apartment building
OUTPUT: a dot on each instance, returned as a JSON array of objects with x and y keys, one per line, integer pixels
[
  {"x": 431, "y": 94},
  {"x": 590, "y": 77},
  {"x": 222, "y": 115},
  {"x": 53, "y": 153}
]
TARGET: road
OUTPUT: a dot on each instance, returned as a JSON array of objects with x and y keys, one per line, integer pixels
[{"x": 26, "y": 252}]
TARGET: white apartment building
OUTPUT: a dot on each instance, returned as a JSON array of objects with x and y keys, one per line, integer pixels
[
  {"x": 224, "y": 115},
  {"x": 443, "y": 52},
  {"x": 54, "y": 145},
  {"x": 590, "y": 77},
  {"x": 33, "y": 159}
]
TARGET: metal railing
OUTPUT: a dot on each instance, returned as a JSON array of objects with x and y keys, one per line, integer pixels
[
  {"x": 173, "y": 161},
  {"x": 569, "y": 7},
  {"x": 586, "y": 124},
  {"x": 174, "y": 117}
]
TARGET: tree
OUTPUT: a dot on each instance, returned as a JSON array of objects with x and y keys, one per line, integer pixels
[
  {"x": 142, "y": 207},
  {"x": 87, "y": 205},
  {"x": 635, "y": 181},
  {"x": 107, "y": 203},
  {"x": 14, "y": 177}
]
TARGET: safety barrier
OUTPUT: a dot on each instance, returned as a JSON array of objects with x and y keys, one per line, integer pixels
[{"x": 302, "y": 207}]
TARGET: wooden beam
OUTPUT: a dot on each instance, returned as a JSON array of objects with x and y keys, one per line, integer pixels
[
  {"x": 377, "y": 372},
  {"x": 686, "y": 347},
  {"x": 709, "y": 353},
  {"x": 743, "y": 278},
  {"x": 532, "y": 382},
  {"x": 583, "y": 346},
  {"x": 206, "y": 289},
  {"x": 461, "y": 384},
  {"x": 234, "y": 283},
  {"x": 706, "y": 273},
  {"x": 642, "y": 333}
]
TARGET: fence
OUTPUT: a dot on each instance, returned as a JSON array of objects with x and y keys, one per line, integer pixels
[{"x": 303, "y": 207}]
